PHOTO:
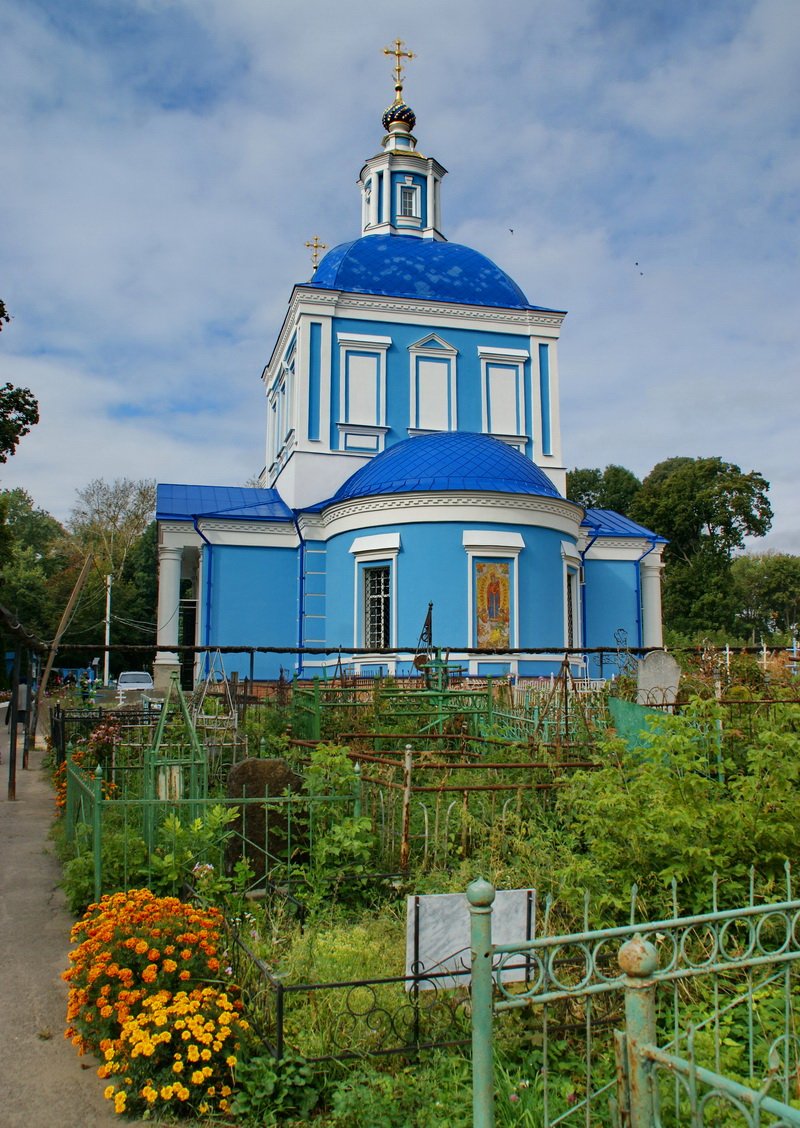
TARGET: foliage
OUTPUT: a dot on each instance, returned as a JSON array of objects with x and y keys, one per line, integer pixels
[
  {"x": 613, "y": 488},
  {"x": 177, "y": 1053},
  {"x": 705, "y": 508},
  {"x": 129, "y": 946},
  {"x": 270, "y": 1091},
  {"x": 697, "y": 501},
  {"x": 109, "y": 517},
  {"x": 182, "y": 847},
  {"x": 766, "y": 589},
  {"x": 19, "y": 411}
]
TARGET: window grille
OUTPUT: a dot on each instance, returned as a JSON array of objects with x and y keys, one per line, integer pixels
[{"x": 376, "y": 607}]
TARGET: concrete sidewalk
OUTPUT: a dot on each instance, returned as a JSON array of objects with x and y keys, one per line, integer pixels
[{"x": 43, "y": 1082}]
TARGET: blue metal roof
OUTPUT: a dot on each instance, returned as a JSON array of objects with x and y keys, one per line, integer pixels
[
  {"x": 452, "y": 460},
  {"x": 238, "y": 503},
  {"x": 403, "y": 266},
  {"x": 607, "y": 523}
]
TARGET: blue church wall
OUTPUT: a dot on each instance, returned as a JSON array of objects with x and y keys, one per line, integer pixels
[
  {"x": 419, "y": 183},
  {"x": 432, "y": 565},
  {"x": 468, "y": 390},
  {"x": 611, "y": 598},
  {"x": 254, "y": 603}
]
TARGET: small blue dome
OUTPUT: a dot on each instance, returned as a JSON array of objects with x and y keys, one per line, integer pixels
[
  {"x": 450, "y": 460},
  {"x": 404, "y": 266}
]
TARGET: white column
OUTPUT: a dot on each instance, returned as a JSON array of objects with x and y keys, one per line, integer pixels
[
  {"x": 650, "y": 570},
  {"x": 169, "y": 595}
]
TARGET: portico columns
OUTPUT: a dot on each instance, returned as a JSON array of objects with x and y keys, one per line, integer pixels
[
  {"x": 652, "y": 632},
  {"x": 169, "y": 598}
]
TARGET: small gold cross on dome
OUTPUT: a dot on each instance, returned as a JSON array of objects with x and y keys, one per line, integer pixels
[
  {"x": 316, "y": 246},
  {"x": 399, "y": 53}
]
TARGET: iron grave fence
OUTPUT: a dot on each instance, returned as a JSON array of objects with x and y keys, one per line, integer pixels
[{"x": 706, "y": 1005}]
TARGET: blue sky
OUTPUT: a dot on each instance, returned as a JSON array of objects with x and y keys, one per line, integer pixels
[{"x": 164, "y": 161}]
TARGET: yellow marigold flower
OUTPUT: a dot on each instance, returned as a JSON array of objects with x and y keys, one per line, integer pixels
[
  {"x": 207, "y": 1071},
  {"x": 119, "y": 1101},
  {"x": 203, "y": 1108},
  {"x": 108, "y": 1092},
  {"x": 177, "y": 1067},
  {"x": 230, "y": 1060},
  {"x": 226, "y": 1091},
  {"x": 166, "y": 1092},
  {"x": 193, "y": 1053},
  {"x": 205, "y": 1054},
  {"x": 197, "y": 1077},
  {"x": 169, "y": 965},
  {"x": 183, "y": 974},
  {"x": 182, "y": 1094},
  {"x": 108, "y": 1055}
]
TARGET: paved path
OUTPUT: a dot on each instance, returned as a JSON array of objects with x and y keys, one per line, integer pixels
[{"x": 43, "y": 1081}]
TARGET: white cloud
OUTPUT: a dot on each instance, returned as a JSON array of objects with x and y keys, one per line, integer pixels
[{"x": 163, "y": 165}]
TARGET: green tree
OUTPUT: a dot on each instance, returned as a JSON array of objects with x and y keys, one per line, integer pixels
[
  {"x": 766, "y": 589},
  {"x": 109, "y": 517},
  {"x": 613, "y": 488},
  {"x": 705, "y": 508},
  {"x": 19, "y": 410},
  {"x": 36, "y": 554}
]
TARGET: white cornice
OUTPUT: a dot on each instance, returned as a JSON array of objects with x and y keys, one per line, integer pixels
[
  {"x": 331, "y": 303},
  {"x": 621, "y": 548},
  {"x": 405, "y": 509}
]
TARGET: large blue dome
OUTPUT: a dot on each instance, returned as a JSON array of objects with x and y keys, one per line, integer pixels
[
  {"x": 450, "y": 460},
  {"x": 403, "y": 266}
]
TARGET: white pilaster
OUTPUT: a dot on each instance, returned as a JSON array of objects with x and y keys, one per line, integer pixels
[
  {"x": 650, "y": 570},
  {"x": 169, "y": 596}
]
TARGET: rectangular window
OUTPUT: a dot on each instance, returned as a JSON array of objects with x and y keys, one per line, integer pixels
[
  {"x": 408, "y": 201},
  {"x": 362, "y": 403},
  {"x": 377, "y": 618},
  {"x": 503, "y": 399},
  {"x": 432, "y": 399}
]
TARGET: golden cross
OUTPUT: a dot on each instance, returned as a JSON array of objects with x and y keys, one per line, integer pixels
[
  {"x": 399, "y": 54},
  {"x": 316, "y": 247}
]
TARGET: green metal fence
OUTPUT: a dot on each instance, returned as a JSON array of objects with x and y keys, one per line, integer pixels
[
  {"x": 706, "y": 1004},
  {"x": 156, "y": 838}
]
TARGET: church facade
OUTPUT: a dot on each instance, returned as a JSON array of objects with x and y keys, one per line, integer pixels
[{"x": 413, "y": 457}]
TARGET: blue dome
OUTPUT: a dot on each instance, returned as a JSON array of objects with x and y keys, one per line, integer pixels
[
  {"x": 450, "y": 460},
  {"x": 404, "y": 266}
]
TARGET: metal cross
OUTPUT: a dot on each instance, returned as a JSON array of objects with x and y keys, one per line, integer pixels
[
  {"x": 316, "y": 247},
  {"x": 399, "y": 54}
]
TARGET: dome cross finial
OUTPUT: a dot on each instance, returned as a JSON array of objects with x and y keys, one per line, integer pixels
[
  {"x": 399, "y": 53},
  {"x": 316, "y": 246}
]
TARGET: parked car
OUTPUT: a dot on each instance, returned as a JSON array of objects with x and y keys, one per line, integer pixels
[{"x": 134, "y": 680}]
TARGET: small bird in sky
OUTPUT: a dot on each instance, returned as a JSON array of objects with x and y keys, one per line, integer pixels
[
  {"x": 641, "y": 272},
  {"x": 511, "y": 229}
]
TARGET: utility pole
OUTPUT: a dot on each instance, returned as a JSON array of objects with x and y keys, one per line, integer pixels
[
  {"x": 108, "y": 632},
  {"x": 62, "y": 626}
]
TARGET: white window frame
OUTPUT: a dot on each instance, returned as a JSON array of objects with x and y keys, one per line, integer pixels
[
  {"x": 362, "y": 436},
  {"x": 481, "y": 544},
  {"x": 572, "y": 568},
  {"x": 432, "y": 348},
  {"x": 281, "y": 404},
  {"x": 515, "y": 359},
  {"x": 415, "y": 219},
  {"x": 367, "y": 552}
]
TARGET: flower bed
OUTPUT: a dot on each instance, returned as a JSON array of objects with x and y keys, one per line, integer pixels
[{"x": 145, "y": 996}]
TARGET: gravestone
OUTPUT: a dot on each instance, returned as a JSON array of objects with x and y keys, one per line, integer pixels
[
  {"x": 262, "y": 829},
  {"x": 658, "y": 679},
  {"x": 438, "y": 940}
]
